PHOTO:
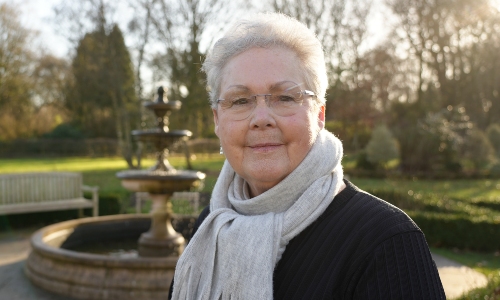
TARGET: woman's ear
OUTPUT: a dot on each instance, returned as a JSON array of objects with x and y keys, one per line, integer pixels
[
  {"x": 321, "y": 116},
  {"x": 216, "y": 122}
]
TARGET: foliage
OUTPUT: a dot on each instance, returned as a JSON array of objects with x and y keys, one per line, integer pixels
[
  {"x": 65, "y": 131},
  {"x": 16, "y": 59},
  {"x": 363, "y": 163},
  {"x": 440, "y": 54},
  {"x": 188, "y": 84},
  {"x": 449, "y": 222},
  {"x": 429, "y": 141},
  {"x": 382, "y": 147},
  {"x": 184, "y": 29},
  {"x": 31, "y": 82},
  {"x": 354, "y": 110},
  {"x": 450, "y": 44},
  {"x": 102, "y": 98},
  {"x": 477, "y": 148},
  {"x": 493, "y": 133},
  {"x": 495, "y": 169}
]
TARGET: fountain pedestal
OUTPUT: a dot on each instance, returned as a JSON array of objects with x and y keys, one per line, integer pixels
[{"x": 161, "y": 239}]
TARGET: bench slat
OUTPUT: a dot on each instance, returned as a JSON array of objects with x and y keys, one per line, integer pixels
[{"x": 46, "y": 206}]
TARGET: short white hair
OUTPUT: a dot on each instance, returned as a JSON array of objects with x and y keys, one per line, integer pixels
[{"x": 269, "y": 30}]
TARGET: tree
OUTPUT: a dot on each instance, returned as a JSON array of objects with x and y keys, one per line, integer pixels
[
  {"x": 382, "y": 147},
  {"x": 102, "y": 97},
  {"x": 183, "y": 27},
  {"x": 453, "y": 45},
  {"x": 16, "y": 84}
]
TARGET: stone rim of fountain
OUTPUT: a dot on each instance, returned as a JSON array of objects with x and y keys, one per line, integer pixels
[
  {"x": 96, "y": 276},
  {"x": 37, "y": 242}
]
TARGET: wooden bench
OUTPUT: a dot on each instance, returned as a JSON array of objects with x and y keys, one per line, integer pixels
[{"x": 45, "y": 191}]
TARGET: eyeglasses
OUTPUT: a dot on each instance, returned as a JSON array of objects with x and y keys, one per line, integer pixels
[{"x": 284, "y": 101}]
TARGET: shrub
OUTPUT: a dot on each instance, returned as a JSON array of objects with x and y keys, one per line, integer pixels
[
  {"x": 478, "y": 149},
  {"x": 65, "y": 131},
  {"x": 430, "y": 141},
  {"x": 382, "y": 146},
  {"x": 450, "y": 223},
  {"x": 457, "y": 231},
  {"x": 363, "y": 163},
  {"x": 493, "y": 133}
]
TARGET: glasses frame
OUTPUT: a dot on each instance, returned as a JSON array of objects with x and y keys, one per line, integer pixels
[{"x": 303, "y": 93}]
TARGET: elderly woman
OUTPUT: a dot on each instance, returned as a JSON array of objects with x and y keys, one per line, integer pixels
[{"x": 283, "y": 223}]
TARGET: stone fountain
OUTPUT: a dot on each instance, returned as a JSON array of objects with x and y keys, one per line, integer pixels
[
  {"x": 55, "y": 265},
  {"x": 161, "y": 181}
]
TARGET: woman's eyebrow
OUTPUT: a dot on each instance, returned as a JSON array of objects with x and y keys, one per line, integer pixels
[
  {"x": 239, "y": 87},
  {"x": 271, "y": 87}
]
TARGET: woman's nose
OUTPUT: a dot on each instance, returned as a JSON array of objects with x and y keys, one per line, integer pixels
[{"x": 262, "y": 115}]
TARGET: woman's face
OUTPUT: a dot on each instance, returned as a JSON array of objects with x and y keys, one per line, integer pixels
[{"x": 264, "y": 148}]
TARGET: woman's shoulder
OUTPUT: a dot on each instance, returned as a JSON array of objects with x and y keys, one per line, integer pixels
[{"x": 367, "y": 214}]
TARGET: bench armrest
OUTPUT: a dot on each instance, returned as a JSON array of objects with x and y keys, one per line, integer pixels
[{"x": 95, "y": 197}]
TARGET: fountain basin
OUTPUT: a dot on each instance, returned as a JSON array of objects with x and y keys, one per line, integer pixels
[
  {"x": 160, "y": 182},
  {"x": 53, "y": 266}
]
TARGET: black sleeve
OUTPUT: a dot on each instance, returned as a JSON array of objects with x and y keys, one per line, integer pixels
[
  {"x": 197, "y": 224},
  {"x": 400, "y": 268}
]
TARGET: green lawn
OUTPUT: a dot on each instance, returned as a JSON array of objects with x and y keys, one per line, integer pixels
[
  {"x": 486, "y": 189},
  {"x": 102, "y": 171}
]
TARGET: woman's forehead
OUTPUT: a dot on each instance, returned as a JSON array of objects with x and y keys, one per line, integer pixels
[{"x": 261, "y": 68}]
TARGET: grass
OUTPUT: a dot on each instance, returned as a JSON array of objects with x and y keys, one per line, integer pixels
[
  {"x": 102, "y": 171},
  {"x": 484, "y": 189}
]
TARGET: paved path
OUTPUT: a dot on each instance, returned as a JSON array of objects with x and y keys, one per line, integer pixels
[
  {"x": 14, "y": 249},
  {"x": 456, "y": 278}
]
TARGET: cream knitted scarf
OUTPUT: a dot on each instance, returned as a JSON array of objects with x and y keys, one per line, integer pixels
[{"x": 235, "y": 250}]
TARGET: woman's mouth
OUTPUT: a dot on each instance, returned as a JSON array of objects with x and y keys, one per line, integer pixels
[{"x": 265, "y": 147}]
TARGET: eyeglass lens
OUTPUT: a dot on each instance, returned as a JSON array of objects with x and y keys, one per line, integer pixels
[{"x": 283, "y": 101}]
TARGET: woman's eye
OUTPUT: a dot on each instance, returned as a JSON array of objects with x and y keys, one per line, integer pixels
[
  {"x": 240, "y": 101},
  {"x": 285, "y": 98}
]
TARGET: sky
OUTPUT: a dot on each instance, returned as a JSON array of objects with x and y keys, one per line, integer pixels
[{"x": 38, "y": 14}]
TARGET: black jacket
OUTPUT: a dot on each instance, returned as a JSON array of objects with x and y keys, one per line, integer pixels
[{"x": 361, "y": 247}]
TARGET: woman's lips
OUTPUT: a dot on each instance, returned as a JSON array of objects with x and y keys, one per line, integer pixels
[{"x": 267, "y": 147}]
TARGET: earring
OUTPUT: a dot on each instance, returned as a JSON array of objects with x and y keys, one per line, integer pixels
[{"x": 221, "y": 151}]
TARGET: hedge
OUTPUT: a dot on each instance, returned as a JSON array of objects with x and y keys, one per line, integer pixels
[
  {"x": 451, "y": 223},
  {"x": 458, "y": 231}
]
